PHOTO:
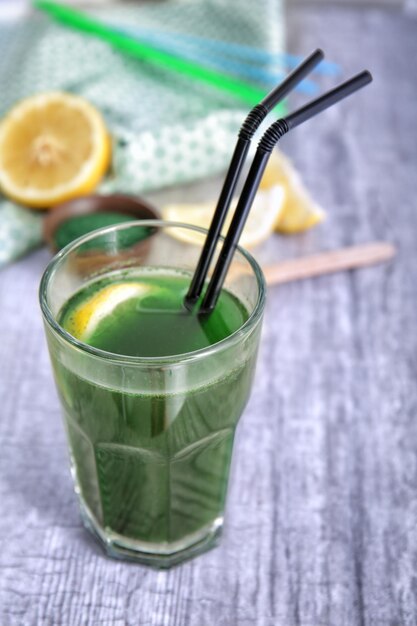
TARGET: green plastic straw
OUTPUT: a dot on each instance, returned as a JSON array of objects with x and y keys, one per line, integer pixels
[{"x": 147, "y": 52}]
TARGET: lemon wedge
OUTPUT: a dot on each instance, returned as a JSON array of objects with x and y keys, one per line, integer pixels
[
  {"x": 53, "y": 147},
  {"x": 264, "y": 214},
  {"x": 299, "y": 212},
  {"x": 82, "y": 322}
]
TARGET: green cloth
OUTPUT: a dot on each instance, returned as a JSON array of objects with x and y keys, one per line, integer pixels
[{"x": 166, "y": 128}]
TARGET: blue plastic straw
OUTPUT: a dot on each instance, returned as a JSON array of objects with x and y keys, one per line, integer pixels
[
  {"x": 216, "y": 60},
  {"x": 218, "y": 47}
]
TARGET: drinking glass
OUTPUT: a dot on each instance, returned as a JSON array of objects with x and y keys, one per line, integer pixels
[{"x": 150, "y": 438}]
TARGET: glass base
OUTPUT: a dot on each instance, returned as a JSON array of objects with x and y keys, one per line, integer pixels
[{"x": 161, "y": 555}]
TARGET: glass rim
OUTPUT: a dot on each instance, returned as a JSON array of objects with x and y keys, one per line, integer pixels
[{"x": 59, "y": 257}]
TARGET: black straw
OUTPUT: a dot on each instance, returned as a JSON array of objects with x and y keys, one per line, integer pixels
[
  {"x": 248, "y": 129},
  {"x": 265, "y": 146}
]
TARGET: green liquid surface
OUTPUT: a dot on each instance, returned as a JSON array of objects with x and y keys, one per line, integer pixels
[
  {"x": 152, "y": 466},
  {"x": 145, "y": 316}
]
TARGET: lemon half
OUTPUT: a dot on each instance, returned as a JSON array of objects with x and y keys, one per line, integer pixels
[
  {"x": 265, "y": 211},
  {"x": 53, "y": 147}
]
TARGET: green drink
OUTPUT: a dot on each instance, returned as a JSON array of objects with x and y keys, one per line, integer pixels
[
  {"x": 161, "y": 474},
  {"x": 151, "y": 396}
]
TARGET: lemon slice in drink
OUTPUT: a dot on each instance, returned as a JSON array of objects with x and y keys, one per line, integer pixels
[
  {"x": 299, "y": 212},
  {"x": 262, "y": 218},
  {"x": 53, "y": 147},
  {"x": 85, "y": 319}
]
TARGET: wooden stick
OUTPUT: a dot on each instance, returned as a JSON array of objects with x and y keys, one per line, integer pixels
[{"x": 329, "y": 262}]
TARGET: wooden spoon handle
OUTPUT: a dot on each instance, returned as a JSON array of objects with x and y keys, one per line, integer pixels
[{"x": 328, "y": 262}]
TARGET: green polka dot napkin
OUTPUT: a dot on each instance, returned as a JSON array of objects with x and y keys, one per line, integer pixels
[{"x": 166, "y": 129}]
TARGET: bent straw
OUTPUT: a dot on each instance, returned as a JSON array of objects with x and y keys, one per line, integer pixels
[
  {"x": 249, "y": 127},
  {"x": 147, "y": 52},
  {"x": 268, "y": 141}
]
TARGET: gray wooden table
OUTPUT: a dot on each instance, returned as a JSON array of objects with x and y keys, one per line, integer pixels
[{"x": 322, "y": 512}]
